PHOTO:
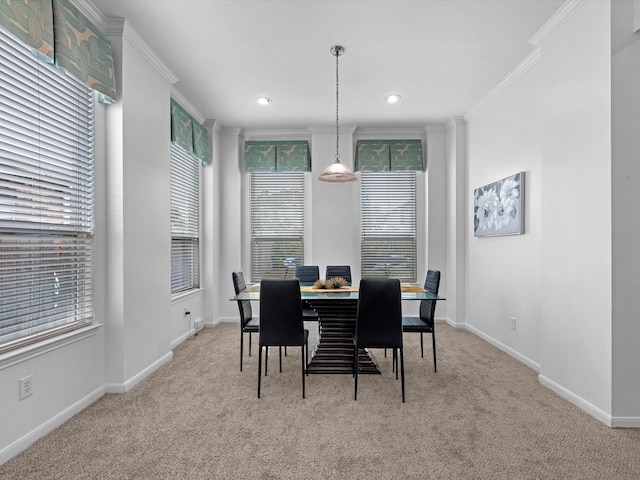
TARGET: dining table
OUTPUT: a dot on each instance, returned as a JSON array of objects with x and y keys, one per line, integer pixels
[{"x": 332, "y": 352}]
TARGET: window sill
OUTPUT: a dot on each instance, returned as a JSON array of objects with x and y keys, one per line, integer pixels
[
  {"x": 184, "y": 295},
  {"x": 28, "y": 352}
]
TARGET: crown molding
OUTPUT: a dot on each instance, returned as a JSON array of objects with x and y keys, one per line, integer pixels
[
  {"x": 523, "y": 67},
  {"x": 213, "y": 125},
  {"x": 93, "y": 13},
  {"x": 564, "y": 13},
  {"x": 434, "y": 128},
  {"x": 187, "y": 105},
  {"x": 120, "y": 27},
  {"x": 389, "y": 133},
  {"x": 290, "y": 134},
  {"x": 325, "y": 129},
  {"x": 235, "y": 131},
  {"x": 455, "y": 122}
]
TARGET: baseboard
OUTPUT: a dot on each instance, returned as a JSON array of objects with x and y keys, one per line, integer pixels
[
  {"x": 198, "y": 325},
  {"x": 505, "y": 348},
  {"x": 24, "y": 442},
  {"x": 625, "y": 422},
  {"x": 451, "y": 323},
  {"x": 133, "y": 381},
  {"x": 228, "y": 319},
  {"x": 579, "y": 402}
]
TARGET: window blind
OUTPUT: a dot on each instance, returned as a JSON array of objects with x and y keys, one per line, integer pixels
[
  {"x": 185, "y": 220},
  {"x": 46, "y": 199},
  {"x": 388, "y": 225},
  {"x": 277, "y": 224}
]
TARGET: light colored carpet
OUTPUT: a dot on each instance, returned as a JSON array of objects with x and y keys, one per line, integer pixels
[{"x": 482, "y": 416}]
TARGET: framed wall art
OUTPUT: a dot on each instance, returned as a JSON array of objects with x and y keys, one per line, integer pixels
[{"x": 498, "y": 208}]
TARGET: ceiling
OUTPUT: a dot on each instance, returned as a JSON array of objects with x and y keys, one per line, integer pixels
[{"x": 441, "y": 56}]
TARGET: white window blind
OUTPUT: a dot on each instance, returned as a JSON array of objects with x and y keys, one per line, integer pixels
[
  {"x": 46, "y": 199},
  {"x": 185, "y": 220},
  {"x": 277, "y": 224},
  {"x": 388, "y": 225}
]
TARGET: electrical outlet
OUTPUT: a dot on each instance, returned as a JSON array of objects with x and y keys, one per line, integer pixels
[
  {"x": 186, "y": 311},
  {"x": 25, "y": 387},
  {"x": 513, "y": 323}
]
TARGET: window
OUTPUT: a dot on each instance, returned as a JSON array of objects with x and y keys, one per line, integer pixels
[
  {"x": 388, "y": 225},
  {"x": 185, "y": 223},
  {"x": 46, "y": 199},
  {"x": 277, "y": 224}
]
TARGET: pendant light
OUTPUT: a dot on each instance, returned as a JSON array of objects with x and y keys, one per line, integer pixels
[{"x": 337, "y": 172}]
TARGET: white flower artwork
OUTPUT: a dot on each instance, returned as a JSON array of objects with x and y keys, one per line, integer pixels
[{"x": 498, "y": 208}]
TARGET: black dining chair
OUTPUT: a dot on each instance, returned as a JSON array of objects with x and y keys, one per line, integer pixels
[
  {"x": 425, "y": 323},
  {"x": 378, "y": 322},
  {"x": 308, "y": 275},
  {"x": 343, "y": 271},
  {"x": 248, "y": 323},
  {"x": 281, "y": 322}
]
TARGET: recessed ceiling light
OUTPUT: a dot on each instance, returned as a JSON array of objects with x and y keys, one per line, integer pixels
[
  {"x": 393, "y": 98},
  {"x": 263, "y": 100}
]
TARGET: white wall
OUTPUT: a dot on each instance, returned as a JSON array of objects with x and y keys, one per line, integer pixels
[
  {"x": 335, "y": 220},
  {"x": 233, "y": 238},
  {"x": 504, "y": 272},
  {"x": 625, "y": 202},
  {"x": 575, "y": 320},
  {"x": 139, "y": 269},
  {"x": 551, "y": 120},
  {"x": 456, "y": 220}
]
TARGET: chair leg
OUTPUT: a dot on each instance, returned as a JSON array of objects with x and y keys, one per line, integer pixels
[
  {"x": 421, "y": 346},
  {"x": 241, "y": 347},
  {"x": 402, "y": 372},
  {"x": 306, "y": 358},
  {"x": 303, "y": 361},
  {"x": 395, "y": 361},
  {"x": 266, "y": 360},
  {"x": 433, "y": 340},
  {"x": 356, "y": 364},
  {"x": 250, "y": 335},
  {"x": 260, "y": 367}
]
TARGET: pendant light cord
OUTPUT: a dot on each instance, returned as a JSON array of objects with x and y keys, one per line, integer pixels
[{"x": 337, "y": 54}]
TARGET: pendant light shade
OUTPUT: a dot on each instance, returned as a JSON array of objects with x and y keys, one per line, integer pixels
[{"x": 337, "y": 172}]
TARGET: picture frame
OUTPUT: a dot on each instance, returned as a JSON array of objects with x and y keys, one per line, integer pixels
[{"x": 498, "y": 208}]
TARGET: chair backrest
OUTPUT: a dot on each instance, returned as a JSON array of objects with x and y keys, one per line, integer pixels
[
  {"x": 244, "y": 306},
  {"x": 281, "y": 312},
  {"x": 428, "y": 307},
  {"x": 379, "y": 315},
  {"x": 343, "y": 271},
  {"x": 307, "y": 274}
]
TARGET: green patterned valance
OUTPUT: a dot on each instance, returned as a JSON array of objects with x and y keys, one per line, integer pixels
[
  {"x": 58, "y": 32},
  {"x": 189, "y": 134},
  {"x": 388, "y": 155},
  {"x": 31, "y": 21},
  {"x": 83, "y": 50},
  {"x": 201, "y": 143},
  {"x": 283, "y": 156},
  {"x": 181, "y": 127}
]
